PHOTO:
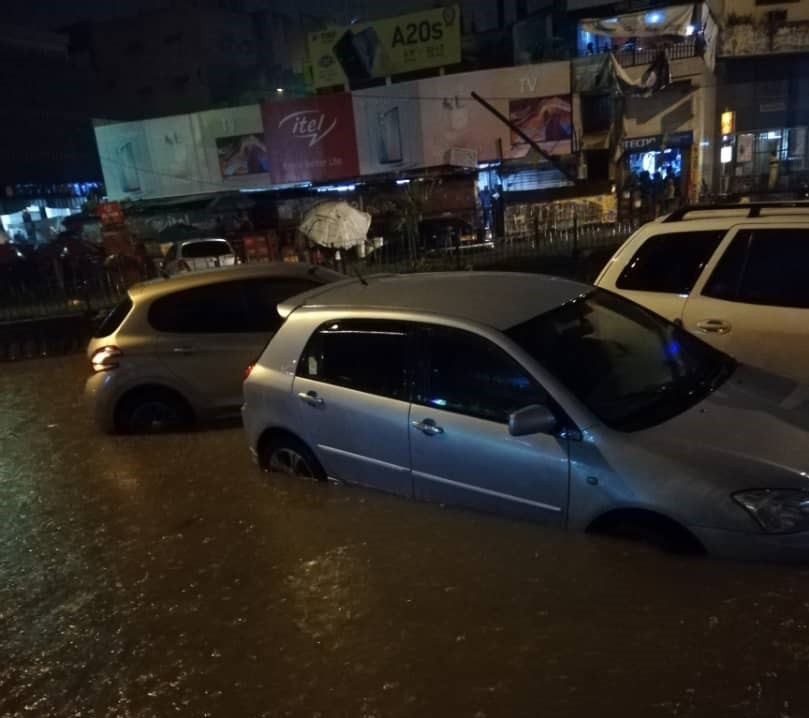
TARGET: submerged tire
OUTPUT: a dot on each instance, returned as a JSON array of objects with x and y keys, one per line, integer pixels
[
  {"x": 151, "y": 411},
  {"x": 285, "y": 454}
]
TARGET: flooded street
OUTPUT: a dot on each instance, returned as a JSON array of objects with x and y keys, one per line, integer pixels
[{"x": 161, "y": 576}]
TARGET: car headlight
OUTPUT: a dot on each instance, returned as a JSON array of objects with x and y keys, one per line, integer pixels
[{"x": 777, "y": 510}]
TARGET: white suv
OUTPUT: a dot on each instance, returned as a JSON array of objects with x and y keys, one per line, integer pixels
[{"x": 737, "y": 276}]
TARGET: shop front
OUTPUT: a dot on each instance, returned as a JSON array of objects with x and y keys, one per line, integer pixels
[
  {"x": 772, "y": 162},
  {"x": 655, "y": 173}
]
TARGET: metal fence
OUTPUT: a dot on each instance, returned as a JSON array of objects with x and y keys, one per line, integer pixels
[
  {"x": 40, "y": 318},
  {"x": 570, "y": 251}
]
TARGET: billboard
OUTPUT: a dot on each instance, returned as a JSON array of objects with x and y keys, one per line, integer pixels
[
  {"x": 388, "y": 130},
  {"x": 184, "y": 154},
  {"x": 536, "y": 97},
  {"x": 311, "y": 139},
  {"x": 417, "y": 41}
]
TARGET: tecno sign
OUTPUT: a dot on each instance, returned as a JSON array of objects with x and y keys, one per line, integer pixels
[{"x": 311, "y": 125}]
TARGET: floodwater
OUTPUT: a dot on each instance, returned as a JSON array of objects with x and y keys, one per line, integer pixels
[{"x": 167, "y": 576}]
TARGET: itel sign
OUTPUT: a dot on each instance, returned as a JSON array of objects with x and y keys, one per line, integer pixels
[{"x": 311, "y": 140}]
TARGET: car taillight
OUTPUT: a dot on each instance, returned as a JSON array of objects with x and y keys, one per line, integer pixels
[
  {"x": 105, "y": 358},
  {"x": 248, "y": 370}
]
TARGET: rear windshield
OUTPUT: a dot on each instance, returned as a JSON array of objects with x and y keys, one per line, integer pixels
[
  {"x": 113, "y": 320},
  {"x": 208, "y": 248}
]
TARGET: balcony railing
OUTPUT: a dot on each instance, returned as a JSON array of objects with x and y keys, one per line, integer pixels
[{"x": 646, "y": 55}]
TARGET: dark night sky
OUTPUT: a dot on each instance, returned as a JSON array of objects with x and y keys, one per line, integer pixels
[{"x": 53, "y": 14}]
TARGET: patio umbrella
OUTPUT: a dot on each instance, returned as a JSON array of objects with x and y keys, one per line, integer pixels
[{"x": 335, "y": 224}]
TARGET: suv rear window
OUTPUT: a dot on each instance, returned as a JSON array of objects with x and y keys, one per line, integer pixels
[
  {"x": 764, "y": 266},
  {"x": 114, "y": 319},
  {"x": 670, "y": 263},
  {"x": 208, "y": 248}
]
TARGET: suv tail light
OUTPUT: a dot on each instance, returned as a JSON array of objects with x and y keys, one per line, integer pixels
[
  {"x": 105, "y": 358},
  {"x": 248, "y": 370}
]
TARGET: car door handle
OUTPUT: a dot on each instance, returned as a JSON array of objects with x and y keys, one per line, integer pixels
[
  {"x": 714, "y": 326},
  {"x": 185, "y": 351},
  {"x": 427, "y": 426},
  {"x": 311, "y": 398}
]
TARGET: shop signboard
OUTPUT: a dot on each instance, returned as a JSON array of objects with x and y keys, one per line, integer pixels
[
  {"x": 388, "y": 129},
  {"x": 311, "y": 139},
  {"x": 417, "y": 41},
  {"x": 658, "y": 142},
  {"x": 535, "y": 97}
]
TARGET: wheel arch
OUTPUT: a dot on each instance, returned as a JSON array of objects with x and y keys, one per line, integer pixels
[
  {"x": 647, "y": 524},
  {"x": 274, "y": 432}
]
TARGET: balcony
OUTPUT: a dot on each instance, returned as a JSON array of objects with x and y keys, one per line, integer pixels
[{"x": 746, "y": 37}]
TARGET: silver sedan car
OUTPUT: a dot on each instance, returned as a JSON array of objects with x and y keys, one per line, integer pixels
[{"x": 536, "y": 397}]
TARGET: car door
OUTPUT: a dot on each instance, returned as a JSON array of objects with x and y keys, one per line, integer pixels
[
  {"x": 203, "y": 337},
  {"x": 753, "y": 302},
  {"x": 209, "y": 334},
  {"x": 353, "y": 386},
  {"x": 662, "y": 271},
  {"x": 460, "y": 446}
]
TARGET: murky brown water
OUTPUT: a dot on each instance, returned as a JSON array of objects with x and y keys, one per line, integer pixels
[{"x": 168, "y": 576}]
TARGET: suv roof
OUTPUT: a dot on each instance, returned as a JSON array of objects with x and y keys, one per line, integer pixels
[
  {"x": 497, "y": 299},
  {"x": 186, "y": 280},
  {"x": 750, "y": 210}
]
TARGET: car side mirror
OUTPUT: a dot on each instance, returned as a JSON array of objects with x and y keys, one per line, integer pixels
[{"x": 533, "y": 419}]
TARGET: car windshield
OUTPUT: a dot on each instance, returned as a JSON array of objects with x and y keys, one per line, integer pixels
[{"x": 631, "y": 368}]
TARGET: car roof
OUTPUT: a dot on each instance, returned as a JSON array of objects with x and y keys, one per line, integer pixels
[
  {"x": 161, "y": 286},
  {"x": 497, "y": 299}
]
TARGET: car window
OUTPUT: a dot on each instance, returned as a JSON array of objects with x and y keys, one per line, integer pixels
[
  {"x": 210, "y": 309},
  {"x": 669, "y": 263},
  {"x": 764, "y": 266},
  {"x": 208, "y": 248},
  {"x": 263, "y": 295},
  {"x": 467, "y": 374},
  {"x": 364, "y": 354},
  {"x": 114, "y": 319}
]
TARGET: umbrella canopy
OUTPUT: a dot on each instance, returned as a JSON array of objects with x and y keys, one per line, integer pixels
[{"x": 335, "y": 224}]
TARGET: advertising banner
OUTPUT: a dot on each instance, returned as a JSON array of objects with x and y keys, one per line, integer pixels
[
  {"x": 535, "y": 97},
  {"x": 388, "y": 129},
  {"x": 232, "y": 149},
  {"x": 311, "y": 139},
  {"x": 417, "y": 41},
  {"x": 125, "y": 161},
  {"x": 173, "y": 155}
]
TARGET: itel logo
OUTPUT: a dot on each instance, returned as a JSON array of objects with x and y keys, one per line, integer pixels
[{"x": 308, "y": 125}]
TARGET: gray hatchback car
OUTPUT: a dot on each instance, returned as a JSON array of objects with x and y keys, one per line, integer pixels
[
  {"x": 175, "y": 349},
  {"x": 536, "y": 397}
]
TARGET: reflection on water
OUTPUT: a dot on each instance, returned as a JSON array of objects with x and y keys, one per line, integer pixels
[{"x": 157, "y": 576}]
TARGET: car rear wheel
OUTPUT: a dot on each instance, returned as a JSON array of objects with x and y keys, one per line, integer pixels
[
  {"x": 284, "y": 454},
  {"x": 152, "y": 411}
]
